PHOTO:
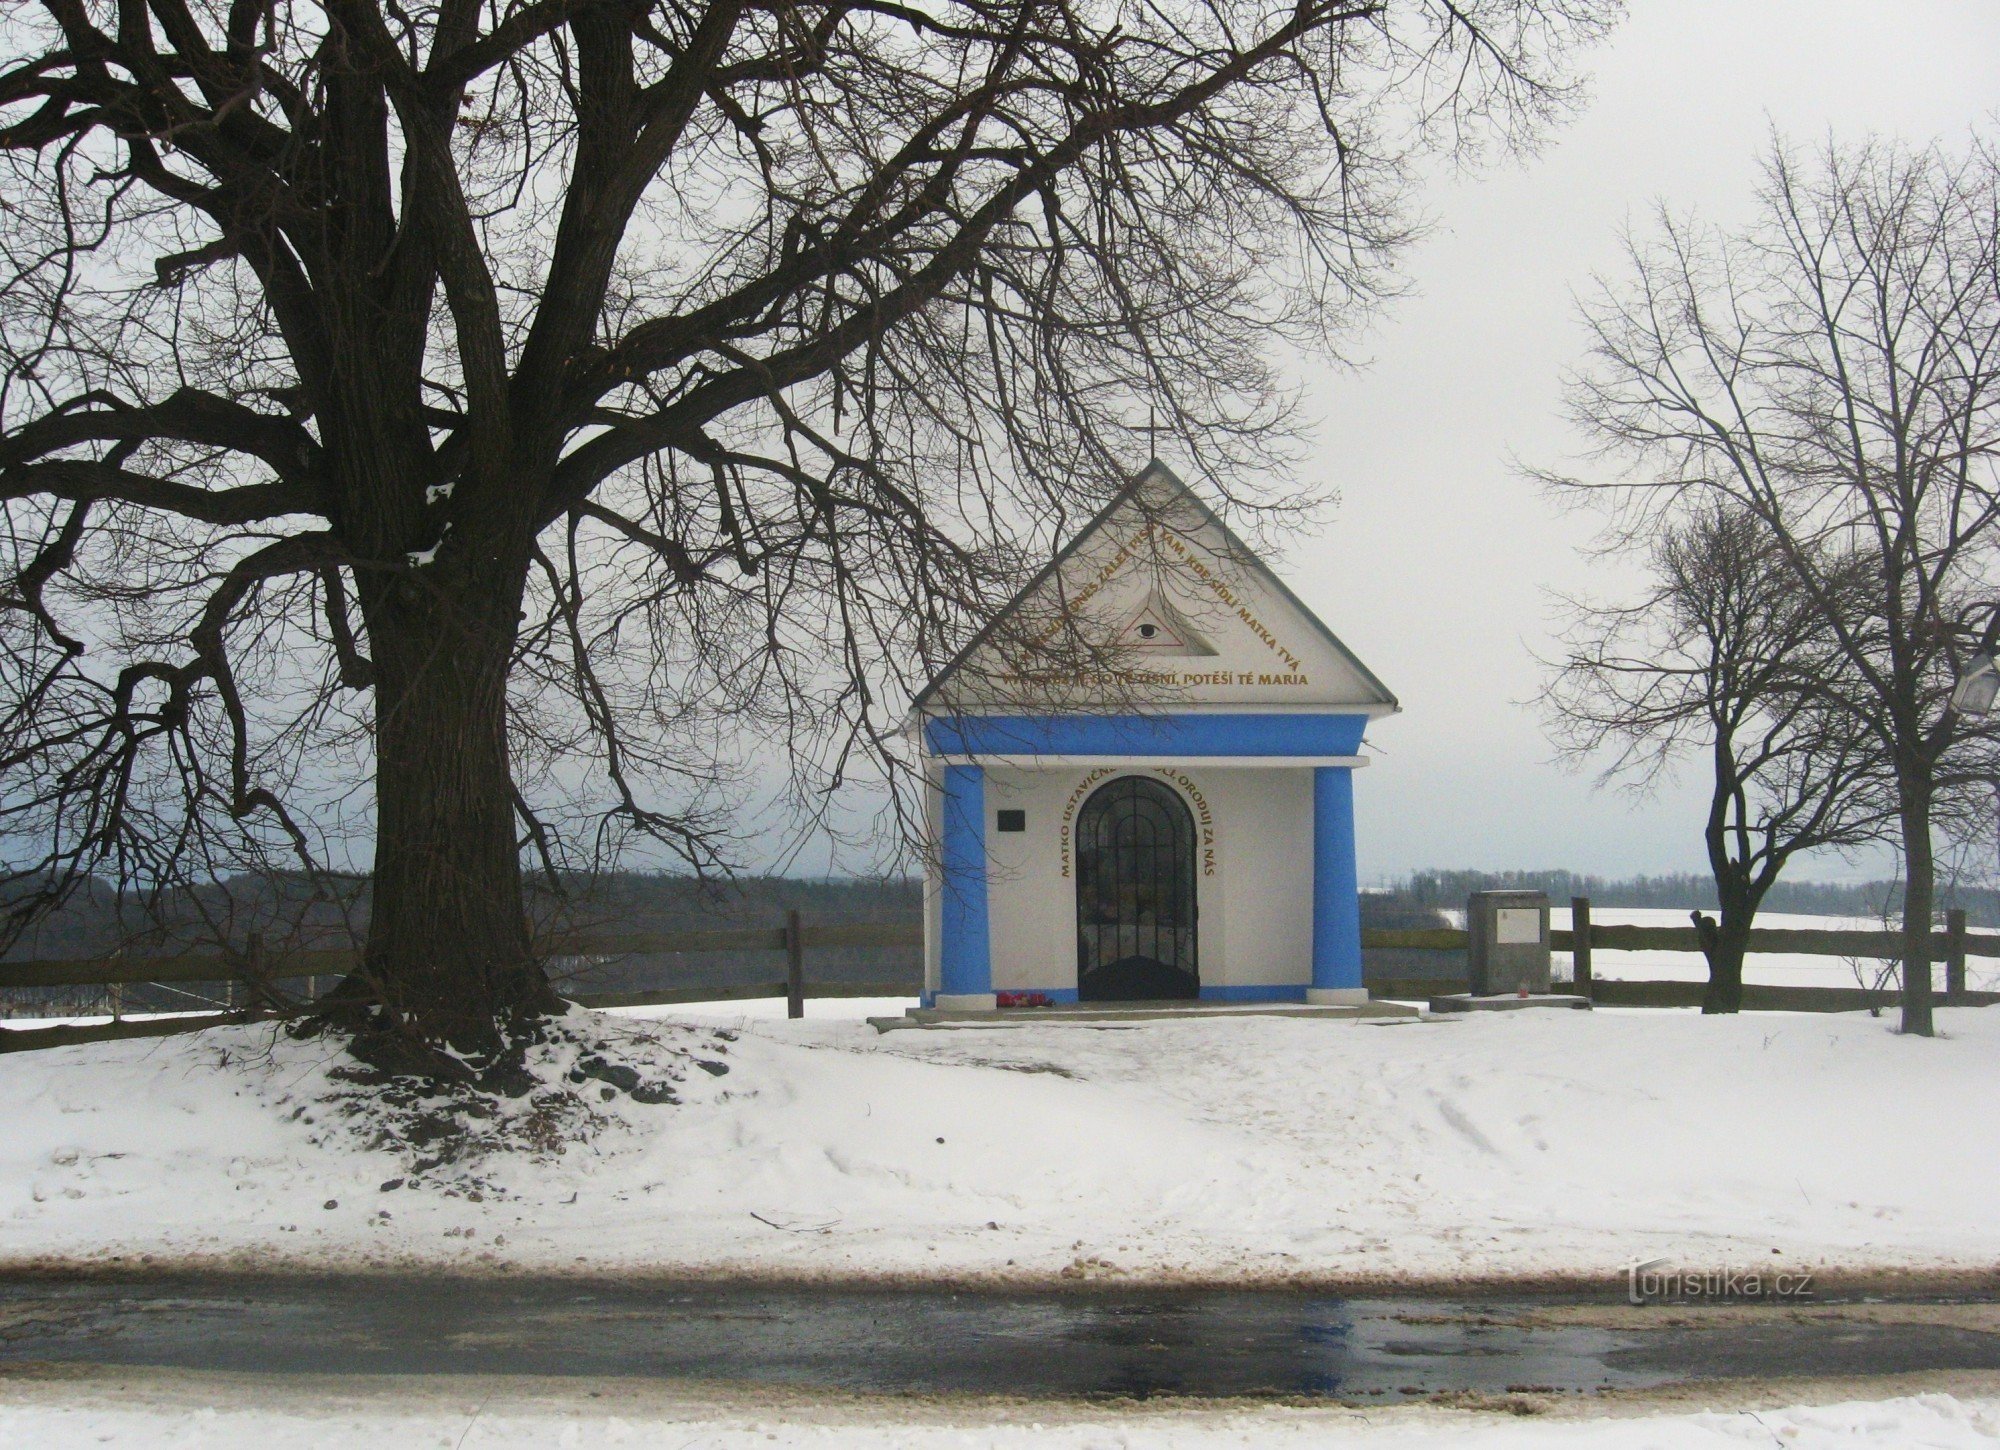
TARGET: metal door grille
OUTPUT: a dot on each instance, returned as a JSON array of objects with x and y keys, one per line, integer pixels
[{"x": 1135, "y": 905}]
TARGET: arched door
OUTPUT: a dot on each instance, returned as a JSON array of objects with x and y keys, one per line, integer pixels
[{"x": 1135, "y": 902}]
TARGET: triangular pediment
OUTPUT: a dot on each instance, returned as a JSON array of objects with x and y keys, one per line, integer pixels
[{"x": 1156, "y": 603}]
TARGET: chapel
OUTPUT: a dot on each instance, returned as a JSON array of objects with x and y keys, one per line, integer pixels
[{"x": 1140, "y": 778}]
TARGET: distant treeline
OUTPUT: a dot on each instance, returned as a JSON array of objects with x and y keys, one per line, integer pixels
[
  {"x": 286, "y": 907},
  {"x": 290, "y": 912},
  {"x": 1425, "y": 891},
  {"x": 96, "y": 921},
  {"x": 636, "y": 901}
]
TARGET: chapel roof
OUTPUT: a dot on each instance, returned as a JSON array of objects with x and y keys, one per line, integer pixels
[{"x": 1155, "y": 483}]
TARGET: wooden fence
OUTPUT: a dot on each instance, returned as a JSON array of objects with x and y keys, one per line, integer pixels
[
  {"x": 794, "y": 939},
  {"x": 1955, "y": 943},
  {"x": 259, "y": 975}
]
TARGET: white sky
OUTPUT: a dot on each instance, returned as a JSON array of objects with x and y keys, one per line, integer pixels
[{"x": 1435, "y": 567}]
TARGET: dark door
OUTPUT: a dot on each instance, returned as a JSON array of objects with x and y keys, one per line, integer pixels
[{"x": 1135, "y": 906}]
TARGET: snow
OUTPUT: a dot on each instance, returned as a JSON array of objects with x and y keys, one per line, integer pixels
[
  {"x": 423, "y": 558},
  {"x": 1246, "y": 1149},
  {"x": 480, "y": 1415},
  {"x": 1775, "y": 969}
]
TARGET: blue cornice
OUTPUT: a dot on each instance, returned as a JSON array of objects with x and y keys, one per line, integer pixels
[{"x": 1191, "y": 735}]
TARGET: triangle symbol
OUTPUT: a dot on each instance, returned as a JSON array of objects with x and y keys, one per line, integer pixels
[{"x": 1159, "y": 628}]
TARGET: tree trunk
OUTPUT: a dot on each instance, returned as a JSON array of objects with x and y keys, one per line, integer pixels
[
  {"x": 1919, "y": 894},
  {"x": 448, "y": 950},
  {"x": 1737, "y": 893},
  {"x": 1724, "y": 943}
]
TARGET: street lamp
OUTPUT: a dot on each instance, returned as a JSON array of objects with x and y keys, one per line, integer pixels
[{"x": 1977, "y": 688}]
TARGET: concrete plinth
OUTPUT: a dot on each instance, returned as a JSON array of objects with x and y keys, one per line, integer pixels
[
  {"x": 1507, "y": 940},
  {"x": 1508, "y": 1002},
  {"x": 966, "y": 1001},
  {"x": 1336, "y": 996}
]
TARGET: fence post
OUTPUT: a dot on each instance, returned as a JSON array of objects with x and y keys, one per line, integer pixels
[
  {"x": 257, "y": 991},
  {"x": 1579, "y": 945},
  {"x": 795, "y": 965},
  {"x": 1954, "y": 955}
]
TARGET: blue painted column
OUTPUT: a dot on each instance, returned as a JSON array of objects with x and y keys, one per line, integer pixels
[
  {"x": 965, "y": 953},
  {"x": 1336, "y": 968}
]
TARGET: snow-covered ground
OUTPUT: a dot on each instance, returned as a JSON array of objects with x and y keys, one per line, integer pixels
[
  {"x": 283, "y": 1413},
  {"x": 1248, "y": 1149},
  {"x": 475, "y": 1415}
]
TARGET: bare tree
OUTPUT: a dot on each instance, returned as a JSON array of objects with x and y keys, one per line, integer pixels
[
  {"x": 515, "y": 398},
  {"x": 1833, "y": 371},
  {"x": 1724, "y": 659}
]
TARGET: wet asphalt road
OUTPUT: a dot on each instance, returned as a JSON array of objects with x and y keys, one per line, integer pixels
[{"x": 1094, "y": 1343}]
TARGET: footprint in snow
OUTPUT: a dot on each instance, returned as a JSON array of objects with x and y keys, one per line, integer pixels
[{"x": 1463, "y": 1126}]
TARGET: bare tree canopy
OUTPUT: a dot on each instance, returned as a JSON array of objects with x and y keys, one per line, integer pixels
[
  {"x": 511, "y": 396},
  {"x": 1833, "y": 372},
  {"x": 1724, "y": 661}
]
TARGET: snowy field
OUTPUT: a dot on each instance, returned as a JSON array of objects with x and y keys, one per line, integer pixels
[
  {"x": 1246, "y": 1150},
  {"x": 61, "y": 1415},
  {"x": 1774, "y": 969}
]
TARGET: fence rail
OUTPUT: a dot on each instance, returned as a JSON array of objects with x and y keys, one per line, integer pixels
[
  {"x": 252, "y": 968},
  {"x": 796, "y": 938},
  {"x": 1790, "y": 941},
  {"x": 1954, "y": 945},
  {"x": 220, "y": 966}
]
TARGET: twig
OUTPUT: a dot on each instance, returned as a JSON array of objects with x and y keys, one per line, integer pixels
[{"x": 818, "y": 1228}]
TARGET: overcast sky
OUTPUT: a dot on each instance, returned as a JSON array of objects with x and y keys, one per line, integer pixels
[{"x": 1436, "y": 565}]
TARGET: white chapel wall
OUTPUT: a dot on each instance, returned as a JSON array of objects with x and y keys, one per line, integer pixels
[
  {"x": 1253, "y": 872},
  {"x": 1268, "y": 890}
]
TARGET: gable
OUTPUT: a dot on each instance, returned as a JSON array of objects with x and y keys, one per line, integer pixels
[{"x": 1156, "y": 603}]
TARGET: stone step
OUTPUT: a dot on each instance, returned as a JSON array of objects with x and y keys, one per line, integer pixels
[{"x": 1507, "y": 1002}]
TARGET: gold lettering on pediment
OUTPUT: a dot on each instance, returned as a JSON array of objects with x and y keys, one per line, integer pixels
[
  {"x": 1151, "y": 679},
  {"x": 1190, "y": 559}
]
